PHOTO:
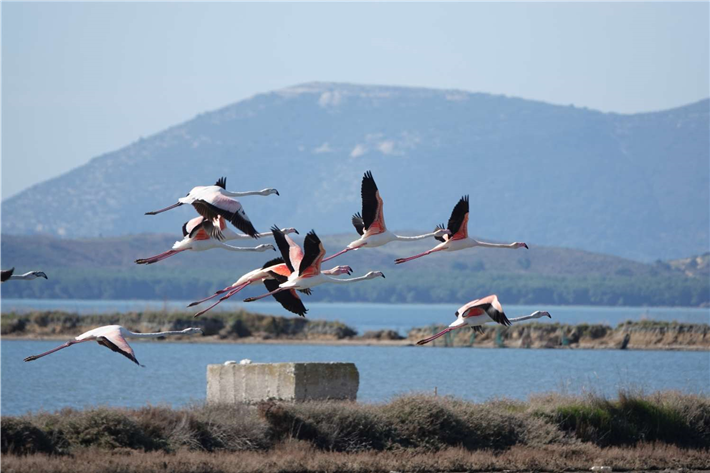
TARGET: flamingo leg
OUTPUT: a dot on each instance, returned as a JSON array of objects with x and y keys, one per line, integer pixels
[
  {"x": 65, "y": 345},
  {"x": 252, "y": 299},
  {"x": 221, "y": 291},
  {"x": 155, "y": 212},
  {"x": 434, "y": 337},
  {"x": 160, "y": 257},
  {"x": 223, "y": 298},
  {"x": 404, "y": 260},
  {"x": 337, "y": 254}
]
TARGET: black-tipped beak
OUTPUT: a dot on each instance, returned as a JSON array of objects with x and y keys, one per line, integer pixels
[
  {"x": 273, "y": 249},
  {"x": 296, "y": 231},
  {"x": 549, "y": 315},
  {"x": 277, "y": 193},
  {"x": 383, "y": 275},
  {"x": 45, "y": 276},
  {"x": 526, "y": 246}
]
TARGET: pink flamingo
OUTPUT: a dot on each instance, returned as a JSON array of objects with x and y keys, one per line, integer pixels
[
  {"x": 479, "y": 312},
  {"x": 272, "y": 274},
  {"x": 309, "y": 273},
  {"x": 214, "y": 201},
  {"x": 371, "y": 224},
  {"x": 114, "y": 337},
  {"x": 459, "y": 240},
  {"x": 198, "y": 237}
]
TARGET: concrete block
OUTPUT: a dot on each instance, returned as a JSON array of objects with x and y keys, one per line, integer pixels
[{"x": 255, "y": 382}]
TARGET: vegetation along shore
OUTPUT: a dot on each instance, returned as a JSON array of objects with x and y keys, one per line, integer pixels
[
  {"x": 409, "y": 433},
  {"x": 247, "y": 327}
]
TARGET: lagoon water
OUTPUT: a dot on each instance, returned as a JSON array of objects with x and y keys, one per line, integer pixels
[{"x": 175, "y": 373}]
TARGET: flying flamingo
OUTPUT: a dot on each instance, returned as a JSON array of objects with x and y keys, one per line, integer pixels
[
  {"x": 114, "y": 337},
  {"x": 275, "y": 271},
  {"x": 197, "y": 237},
  {"x": 371, "y": 224},
  {"x": 6, "y": 274},
  {"x": 214, "y": 201},
  {"x": 479, "y": 312},
  {"x": 459, "y": 240},
  {"x": 308, "y": 263}
]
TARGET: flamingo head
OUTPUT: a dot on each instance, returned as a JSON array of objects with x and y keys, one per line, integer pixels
[
  {"x": 192, "y": 331},
  {"x": 521, "y": 245},
  {"x": 264, "y": 247},
  {"x": 374, "y": 274},
  {"x": 440, "y": 232},
  {"x": 288, "y": 230},
  {"x": 538, "y": 314},
  {"x": 269, "y": 191},
  {"x": 37, "y": 274},
  {"x": 338, "y": 270}
]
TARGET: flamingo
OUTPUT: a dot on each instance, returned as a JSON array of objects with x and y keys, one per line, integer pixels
[
  {"x": 214, "y": 201},
  {"x": 309, "y": 273},
  {"x": 6, "y": 274},
  {"x": 197, "y": 237},
  {"x": 459, "y": 240},
  {"x": 371, "y": 224},
  {"x": 274, "y": 271},
  {"x": 479, "y": 312},
  {"x": 114, "y": 337}
]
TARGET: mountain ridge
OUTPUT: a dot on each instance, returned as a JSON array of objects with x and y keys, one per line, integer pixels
[{"x": 562, "y": 176}]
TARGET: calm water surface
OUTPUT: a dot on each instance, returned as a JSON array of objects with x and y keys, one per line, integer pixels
[
  {"x": 400, "y": 317},
  {"x": 175, "y": 373}
]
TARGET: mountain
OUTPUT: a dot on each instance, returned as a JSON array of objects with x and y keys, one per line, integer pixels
[
  {"x": 636, "y": 186},
  {"x": 103, "y": 268}
]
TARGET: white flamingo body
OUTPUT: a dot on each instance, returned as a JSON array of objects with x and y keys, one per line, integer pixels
[
  {"x": 458, "y": 238},
  {"x": 371, "y": 223},
  {"x": 479, "y": 312},
  {"x": 215, "y": 201},
  {"x": 199, "y": 237},
  {"x": 114, "y": 337}
]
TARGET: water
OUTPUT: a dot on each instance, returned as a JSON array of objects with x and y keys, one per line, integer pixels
[
  {"x": 363, "y": 317},
  {"x": 175, "y": 373}
]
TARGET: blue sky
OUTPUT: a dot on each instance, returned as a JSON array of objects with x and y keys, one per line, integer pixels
[{"x": 83, "y": 79}]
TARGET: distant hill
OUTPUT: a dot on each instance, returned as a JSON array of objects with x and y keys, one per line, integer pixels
[
  {"x": 104, "y": 268},
  {"x": 636, "y": 186}
]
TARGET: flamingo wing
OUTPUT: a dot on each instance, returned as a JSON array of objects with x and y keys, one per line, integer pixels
[
  {"x": 190, "y": 225},
  {"x": 290, "y": 251},
  {"x": 221, "y": 182},
  {"x": 358, "y": 223},
  {"x": 289, "y": 300},
  {"x": 114, "y": 341},
  {"x": 490, "y": 305},
  {"x": 458, "y": 222},
  {"x": 372, "y": 205},
  {"x": 314, "y": 253},
  {"x": 441, "y": 238},
  {"x": 214, "y": 204},
  {"x": 5, "y": 274}
]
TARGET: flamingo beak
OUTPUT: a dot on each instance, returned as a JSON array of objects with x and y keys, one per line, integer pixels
[
  {"x": 277, "y": 193},
  {"x": 526, "y": 246},
  {"x": 296, "y": 231},
  {"x": 383, "y": 276}
]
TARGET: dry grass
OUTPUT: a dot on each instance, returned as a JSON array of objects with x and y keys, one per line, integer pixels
[
  {"x": 299, "y": 456},
  {"x": 409, "y": 433}
]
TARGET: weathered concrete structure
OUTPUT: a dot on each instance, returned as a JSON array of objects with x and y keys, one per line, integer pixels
[{"x": 255, "y": 382}]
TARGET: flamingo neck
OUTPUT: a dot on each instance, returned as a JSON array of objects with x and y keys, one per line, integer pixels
[
  {"x": 483, "y": 244},
  {"x": 240, "y": 194},
  {"x": 413, "y": 238},
  {"x": 347, "y": 280},
  {"x": 153, "y": 335},
  {"x": 525, "y": 317},
  {"x": 26, "y": 276}
]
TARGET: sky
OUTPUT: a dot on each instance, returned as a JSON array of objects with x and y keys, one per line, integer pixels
[{"x": 83, "y": 79}]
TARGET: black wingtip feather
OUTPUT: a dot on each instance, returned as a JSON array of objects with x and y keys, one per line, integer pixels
[
  {"x": 221, "y": 182},
  {"x": 273, "y": 262}
]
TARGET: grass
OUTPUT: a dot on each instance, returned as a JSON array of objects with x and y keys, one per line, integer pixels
[{"x": 415, "y": 423}]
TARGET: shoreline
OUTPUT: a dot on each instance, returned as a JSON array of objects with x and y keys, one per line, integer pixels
[{"x": 209, "y": 340}]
